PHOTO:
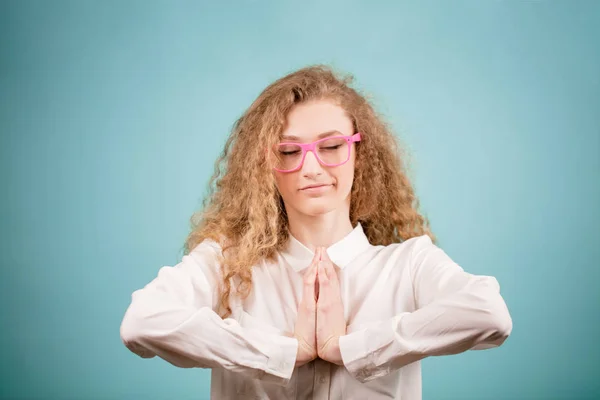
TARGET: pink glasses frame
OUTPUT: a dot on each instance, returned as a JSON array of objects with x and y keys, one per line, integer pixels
[{"x": 306, "y": 147}]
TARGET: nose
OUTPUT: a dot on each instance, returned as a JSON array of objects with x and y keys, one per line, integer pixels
[{"x": 311, "y": 165}]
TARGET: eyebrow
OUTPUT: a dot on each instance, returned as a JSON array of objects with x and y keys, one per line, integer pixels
[{"x": 320, "y": 136}]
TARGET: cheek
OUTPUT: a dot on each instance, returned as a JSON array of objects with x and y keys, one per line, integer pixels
[
  {"x": 284, "y": 184},
  {"x": 345, "y": 178}
]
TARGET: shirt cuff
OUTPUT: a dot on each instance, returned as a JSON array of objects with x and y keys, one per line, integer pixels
[
  {"x": 281, "y": 359},
  {"x": 361, "y": 350}
]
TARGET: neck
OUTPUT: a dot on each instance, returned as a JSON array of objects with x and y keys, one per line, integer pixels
[{"x": 320, "y": 230}]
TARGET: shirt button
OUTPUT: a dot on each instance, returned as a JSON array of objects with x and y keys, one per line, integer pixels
[{"x": 322, "y": 379}]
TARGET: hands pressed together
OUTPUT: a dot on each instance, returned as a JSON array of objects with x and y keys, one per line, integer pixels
[{"x": 320, "y": 321}]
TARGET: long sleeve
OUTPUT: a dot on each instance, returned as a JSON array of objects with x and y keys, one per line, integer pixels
[
  {"x": 455, "y": 312},
  {"x": 174, "y": 317}
]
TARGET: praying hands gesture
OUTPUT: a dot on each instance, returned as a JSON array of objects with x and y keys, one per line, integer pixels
[{"x": 320, "y": 321}]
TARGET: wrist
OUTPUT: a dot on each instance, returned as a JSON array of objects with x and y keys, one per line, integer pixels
[
  {"x": 305, "y": 353},
  {"x": 337, "y": 354},
  {"x": 331, "y": 352}
]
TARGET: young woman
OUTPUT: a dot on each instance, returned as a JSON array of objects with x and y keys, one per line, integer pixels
[{"x": 310, "y": 273}]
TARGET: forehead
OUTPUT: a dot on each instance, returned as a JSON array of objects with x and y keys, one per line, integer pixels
[{"x": 306, "y": 121}]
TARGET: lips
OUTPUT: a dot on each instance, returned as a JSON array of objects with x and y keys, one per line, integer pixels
[{"x": 314, "y": 186}]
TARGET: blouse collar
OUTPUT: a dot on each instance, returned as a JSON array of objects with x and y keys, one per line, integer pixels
[{"x": 341, "y": 253}]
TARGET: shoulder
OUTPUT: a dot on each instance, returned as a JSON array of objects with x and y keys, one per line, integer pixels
[
  {"x": 207, "y": 246},
  {"x": 207, "y": 255},
  {"x": 410, "y": 247}
]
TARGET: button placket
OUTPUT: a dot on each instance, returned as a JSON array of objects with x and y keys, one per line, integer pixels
[{"x": 322, "y": 380}]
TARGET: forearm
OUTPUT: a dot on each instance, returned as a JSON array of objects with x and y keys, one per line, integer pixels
[
  {"x": 188, "y": 338},
  {"x": 474, "y": 317}
]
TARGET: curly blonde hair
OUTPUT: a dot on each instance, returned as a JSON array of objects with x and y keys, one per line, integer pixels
[{"x": 244, "y": 211}]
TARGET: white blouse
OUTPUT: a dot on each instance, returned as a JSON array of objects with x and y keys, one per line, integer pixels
[{"x": 402, "y": 302}]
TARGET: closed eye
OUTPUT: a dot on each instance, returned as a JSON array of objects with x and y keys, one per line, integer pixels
[
  {"x": 289, "y": 153},
  {"x": 331, "y": 147}
]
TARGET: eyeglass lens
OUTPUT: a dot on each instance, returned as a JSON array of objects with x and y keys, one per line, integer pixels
[{"x": 332, "y": 151}]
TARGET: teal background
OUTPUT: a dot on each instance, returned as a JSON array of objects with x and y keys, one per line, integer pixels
[{"x": 112, "y": 114}]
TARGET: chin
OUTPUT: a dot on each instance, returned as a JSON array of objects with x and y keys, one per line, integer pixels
[{"x": 318, "y": 207}]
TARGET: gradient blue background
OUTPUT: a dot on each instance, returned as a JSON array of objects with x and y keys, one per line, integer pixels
[{"x": 112, "y": 114}]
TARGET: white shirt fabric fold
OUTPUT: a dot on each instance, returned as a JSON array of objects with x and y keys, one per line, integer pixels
[{"x": 402, "y": 302}]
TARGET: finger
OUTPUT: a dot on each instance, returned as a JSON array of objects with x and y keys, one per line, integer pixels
[
  {"x": 316, "y": 268},
  {"x": 330, "y": 268},
  {"x": 309, "y": 295},
  {"x": 332, "y": 273},
  {"x": 333, "y": 290},
  {"x": 312, "y": 269},
  {"x": 317, "y": 255},
  {"x": 323, "y": 273},
  {"x": 310, "y": 281},
  {"x": 325, "y": 294},
  {"x": 325, "y": 256},
  {"x": 311, "y": 272}
]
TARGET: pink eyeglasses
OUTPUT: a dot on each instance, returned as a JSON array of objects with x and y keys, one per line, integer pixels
[{"x": 330, "y": 152}]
